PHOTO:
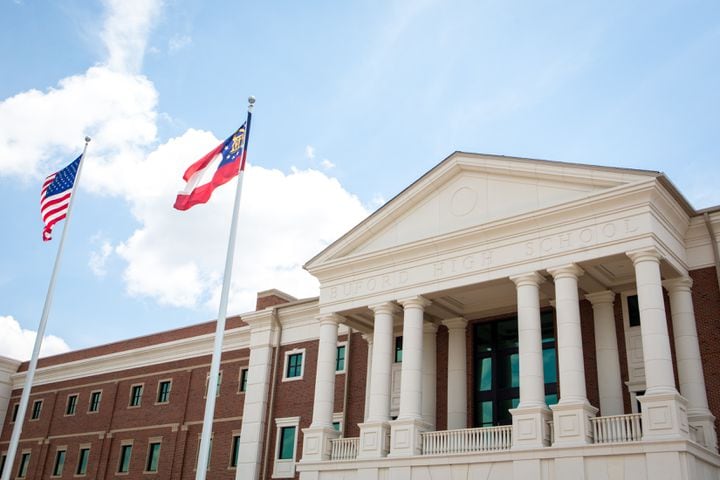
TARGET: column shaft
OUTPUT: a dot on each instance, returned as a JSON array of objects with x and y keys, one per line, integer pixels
[
  {"x": 429, "y": 374},
  {"x": 369, "y": 339},
  {"x": 606, "y": 353},
  {"x": 532, "y": 380},
  {"x": 411, "y": 379},
  {"x": 324, "y": 400},
  {"x": 382, "y": 357},
  {"x": 456, "y": 373}
]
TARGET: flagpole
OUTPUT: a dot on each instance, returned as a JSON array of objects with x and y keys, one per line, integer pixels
[
  {"x": 204, "y": 452},
  {"x": 30, "y": 375}
]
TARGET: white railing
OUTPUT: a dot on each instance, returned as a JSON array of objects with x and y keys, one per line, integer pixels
[
  {"x": 344, "y": 448},
  {"x": 467, "y": 440},
  {"x": 617, "y": 428}
]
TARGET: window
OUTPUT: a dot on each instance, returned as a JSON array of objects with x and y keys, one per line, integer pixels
[
  {"x": 71, "y": 405},
  {"x": 294, "y": 365},
  {"x": 153, "y": 457},
  {"x": 219, "y": 383},
  {"x": 398, "y": 349},
  {"x": 83, "y": 457},
  {"x": 633, "y": 310},
  {"x": 37, "y": 407},
  {"x": 209, "y": 455},
  {"x": 243, "y": 379},
  {"x": 24, "y": 463},
  {"x": 336, "y": 426},
  {"x": 125, "y": 453},
  {"x": 235, "y": 450},
  {"x": 340, "y": 359},
  {"x": 285, "y": 446},
  {"x": 59, "y": 463},
  {"x": 95, "y": 401},
  {"x": 164, "y": 391},
  {"x": 136, "y": 395},
  {"x": 15, "y": 412},
  {"x": 2, "y": 462}
]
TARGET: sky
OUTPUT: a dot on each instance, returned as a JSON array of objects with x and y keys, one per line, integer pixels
[{"x": 355, "y": 101}]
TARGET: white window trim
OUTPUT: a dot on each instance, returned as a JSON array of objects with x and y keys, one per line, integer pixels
[
  {"x": 32, "y": 411},
  {"x": 338, "y": 417},
  {"x": 219, "y": 383},
  {"x": 247, "y": 378},
  {"x": 285, "y": 468},
  {"x": 150, "y": 441},
  {"x": 58, "y": 449},
  {"x": 302, "y": 365},
  {"x": 75, "y": 468},
  {"x": 67, "y": 402},
  {"x": 157, "y": 391},
  {"x": 234, "y": 434},
  {"x": 119, "y": 462},
  {"x": 90, "y": 402},
  {"x": 130, "y": 395},
  {"x": 345, "y": 363}
]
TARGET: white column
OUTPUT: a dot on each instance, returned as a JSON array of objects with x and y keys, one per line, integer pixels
[
  {"x": 429, "y": 369},
  {"x": 374, "y": 431},
  {"x": 571, "y": 416},
  {"x": 456, "y": 373},
  {"x": 316, "y": 444},
  {"x": 368, "y": 337},
  {"x": 606, "y": 353},
  {"x": 664, "y": 411},
  {"x": 689, "y": 362},
  {"x": 531, "y": 416},
  {"x": 405, "y": 431}
]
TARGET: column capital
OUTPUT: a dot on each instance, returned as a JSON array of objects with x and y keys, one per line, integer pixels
[
  {"x": 679, "y": 284},
  {"x": 599, "y": 298},
  {"x": 430, "y": 327},
  {"x": 457, "y": 323},
  {"x": 368, "y": 337},
  {"x": 646, "y": 255},
  {"x": 570, "y": 270},
  {"x": 417, "y": 301},
  {"x": 330, "y": 318},
  {"x": 385, "y": 307},
  {"x": 532, "y": 278}
]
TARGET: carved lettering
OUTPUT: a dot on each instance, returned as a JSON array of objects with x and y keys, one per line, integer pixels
[
  {"x": 586, "y": 235},
  {"x": 529, "y": 249},
  {"x": 546, "y": 244},
  {"x": 371, "y": 284},
  {"x": 630, "y": 226},
  {"x": 608, "y": 230},
  {"x": 564, "y": 240},
  {"x": 468, "y": 262},
  {"x": 438, "y": 269}
]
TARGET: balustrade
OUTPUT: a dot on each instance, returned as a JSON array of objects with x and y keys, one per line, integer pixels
[
  {"x": 466, "y": 440},
  {"x": 344, "y": 448},
  {"x": 617, "y": 428}
]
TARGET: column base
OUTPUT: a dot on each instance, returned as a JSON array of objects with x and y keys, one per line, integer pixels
[
  {"x": 405, "y": 438},
  {"x": 374, "y": 440},
  {"x": 316, "y": 443},
  {"x": 703, "y": 425},
  {"x": 530, "y": 427},
  {"x": 664, "y": 417},
  {"x": 571, "y": 423}
]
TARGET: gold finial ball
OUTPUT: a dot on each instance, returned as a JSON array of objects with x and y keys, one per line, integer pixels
[
  {"x": 87, "y": 139},
  {"x": 251, "y": 100}
]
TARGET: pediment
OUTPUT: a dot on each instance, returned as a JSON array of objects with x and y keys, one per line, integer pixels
[{"x": 469, "y": 190}]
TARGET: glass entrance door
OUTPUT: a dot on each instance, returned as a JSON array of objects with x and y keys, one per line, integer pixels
[{"x": 496, "y": 372}]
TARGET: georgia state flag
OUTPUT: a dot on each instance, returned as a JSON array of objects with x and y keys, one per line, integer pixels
[{"x": 229, "y": 157}]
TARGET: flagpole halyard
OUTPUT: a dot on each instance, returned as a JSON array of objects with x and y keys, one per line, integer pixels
[
  {"x": 30, "y": 375},
  {"x": 213, "y": 376}
]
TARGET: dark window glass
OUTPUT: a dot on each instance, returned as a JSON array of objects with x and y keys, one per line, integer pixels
[
  {"x": 153, "y": 457},
  {"x": 294, "y": 365},
  {"x": 550, "y": 365},
  {"x": 243, "y": 379},
  {"x": 287, "y": 443},
  {"x": 2, "y": 462},
  {"x": 164, "y": 391},
  {"x": 398, "y": 349},
  {"x": 340, "y": 359},
  {"x": 59, "y": 463},
  {"x": 633, "y": 311},
  {"x": 37, "y": 407},
  {"x": 551, "y": 399},
  {"x": 83, "y": 458},
  {"x": 95, "y": 401},
  {"x": 484, "y": 375},
  {"x": 24, "y": 463},
  {"x": 71, "y": 405},
  {"x": 509, "y": 370},
  {"x": 15, "y": 412},
  {"x": 235, "y": 451},
  {"x": 124, "y": 464},
  {"x": 336, "y": 426},
  {"x": 136, "y": 395}
]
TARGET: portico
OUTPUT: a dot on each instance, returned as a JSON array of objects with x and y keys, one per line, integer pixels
[{"x": 481, "y": 239}]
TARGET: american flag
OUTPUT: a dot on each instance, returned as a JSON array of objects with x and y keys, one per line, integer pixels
[{"x": 55, "y": 196}]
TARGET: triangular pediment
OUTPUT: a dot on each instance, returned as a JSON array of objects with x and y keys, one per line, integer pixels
[{"x": 468, "y": 190}]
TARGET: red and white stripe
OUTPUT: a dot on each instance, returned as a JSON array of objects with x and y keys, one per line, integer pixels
[{"x": 53, "y": 208}]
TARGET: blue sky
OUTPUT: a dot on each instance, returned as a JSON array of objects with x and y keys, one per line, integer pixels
[{"x": 355, "y": 101}]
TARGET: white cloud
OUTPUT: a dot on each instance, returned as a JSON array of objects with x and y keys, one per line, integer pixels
[
  {"x": 327, "y": 164},
  {"x": 309, "y": 152},
  {"x": 99, "y": 258},
  {"x": 178, "y": 42},
  {"x": 17, "y": 342},
  {"x": 126, "y": 30}
]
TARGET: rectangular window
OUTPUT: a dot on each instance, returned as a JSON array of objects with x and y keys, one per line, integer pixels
[
  {"x": 336, "y": 426},
  {"x": 286, "y": 448},
  {"x": 2, "y": 462},
  {"x": 83, "y": 458},
  {"x": 59, "y": 463},
  {"x": 219, "y": 383},
  {"x": 153, "y": 458},
  {"x": 398, "y": 349},
  {"x": 37, "y": 407},
  {"x": 124, "y": 463},
  {"x": 235, "y": 450},
  {"x": 243, "y": 379},
  {"x": 136, "y": 395},
  {"x": 633, "y": 310},
  {"x": 164, "y": 391},
  {"x": 15, "y": 412},
  {"x": 71, "y": 405},
  {"x": 294, "y": 365},
  {"x": 340, "y": 359},
  {"x": 95, "y": 401},
  {"x": 24, "y": 463}
]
